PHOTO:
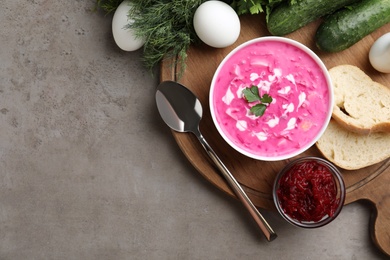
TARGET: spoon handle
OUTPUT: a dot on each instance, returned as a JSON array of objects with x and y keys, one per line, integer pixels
[{"x": 240, "y": 193}]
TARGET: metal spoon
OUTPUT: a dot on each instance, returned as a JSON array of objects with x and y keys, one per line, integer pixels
[{"x": 182, "y": 111}]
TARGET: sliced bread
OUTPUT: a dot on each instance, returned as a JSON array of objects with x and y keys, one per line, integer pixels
[
  {"x": 353, "y": 151},
  {"x": 361, "y": 105}
]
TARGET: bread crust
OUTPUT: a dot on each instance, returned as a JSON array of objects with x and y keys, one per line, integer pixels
[
  {"x": 361, "y": 105},
  {"x": 352, "y": 151}
]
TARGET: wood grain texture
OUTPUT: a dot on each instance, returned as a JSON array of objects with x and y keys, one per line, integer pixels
[{"x": 256, "y": 177}]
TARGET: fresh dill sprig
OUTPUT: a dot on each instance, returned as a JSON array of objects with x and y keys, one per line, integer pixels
[{"x": 167, "y": 27}]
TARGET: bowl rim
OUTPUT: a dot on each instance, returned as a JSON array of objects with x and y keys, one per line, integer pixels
[
  {"x": 298, "y": 45},
  {"x": 337, "y": 177}
]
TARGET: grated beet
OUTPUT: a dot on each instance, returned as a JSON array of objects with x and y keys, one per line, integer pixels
[{"x": 308, "y": 192}]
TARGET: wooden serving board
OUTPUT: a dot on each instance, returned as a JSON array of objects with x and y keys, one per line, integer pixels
[{"x": 371, "y": 183}]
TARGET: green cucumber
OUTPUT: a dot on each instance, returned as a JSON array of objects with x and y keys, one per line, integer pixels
[
  {"x": 346, "y": 27},
  {"x": 286, "y": 18}
]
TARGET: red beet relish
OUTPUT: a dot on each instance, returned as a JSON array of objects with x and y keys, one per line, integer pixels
[{"x": 308, "y": 192}]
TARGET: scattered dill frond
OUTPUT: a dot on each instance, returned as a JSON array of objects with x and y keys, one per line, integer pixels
[{"x": 108, "y": 6}]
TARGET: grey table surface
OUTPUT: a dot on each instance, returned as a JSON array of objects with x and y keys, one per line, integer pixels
[{"x": 88, "y": 170}]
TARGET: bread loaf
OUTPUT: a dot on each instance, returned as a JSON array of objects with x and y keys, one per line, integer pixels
[
  {"x": 361, "y": 105},
  {"x": 353, "y": 151}
]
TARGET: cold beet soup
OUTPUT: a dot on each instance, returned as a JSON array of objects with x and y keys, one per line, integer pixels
[{"x": 301, "y": 101}]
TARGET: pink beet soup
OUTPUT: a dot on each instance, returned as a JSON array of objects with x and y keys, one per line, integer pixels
[{"x": 298, "y": 113}]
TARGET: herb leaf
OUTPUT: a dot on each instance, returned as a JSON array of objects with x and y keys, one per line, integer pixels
[
  {"x": 258, "y": 110},
  {"x": 266, "y": 99},
  {"x": 249, "y": 6},
  {"x": 258, "y": 6},
  {"x": 252, "y": 95}
]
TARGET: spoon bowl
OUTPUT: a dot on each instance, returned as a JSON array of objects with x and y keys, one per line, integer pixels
[
  {"x": 182, "y": 111},
  {"x": 178, "y": 107}
]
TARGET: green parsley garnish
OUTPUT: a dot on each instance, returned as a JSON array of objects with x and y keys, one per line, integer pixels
[{"x": 252, "y": 95}]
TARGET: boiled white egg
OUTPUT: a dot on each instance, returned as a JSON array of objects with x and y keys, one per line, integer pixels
[
  {"x": 216, "y": 24},
  {"x": 124, "y": 37},
  {"x": 380, "y": 54}
]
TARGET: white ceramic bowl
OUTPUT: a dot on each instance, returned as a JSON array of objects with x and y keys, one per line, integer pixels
[{"x": 301, "y": 89}]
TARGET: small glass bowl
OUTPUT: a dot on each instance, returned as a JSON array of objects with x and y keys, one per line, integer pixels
[{"x": 306, "y": 222}]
